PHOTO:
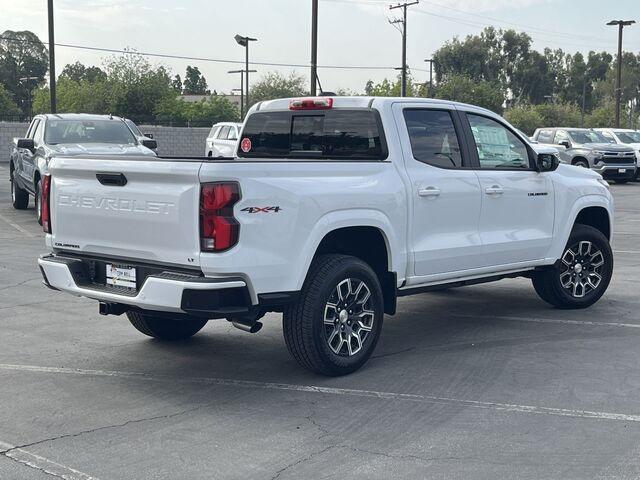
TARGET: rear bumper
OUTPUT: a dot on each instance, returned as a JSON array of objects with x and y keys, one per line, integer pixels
[{"x": 162, "y": 292}]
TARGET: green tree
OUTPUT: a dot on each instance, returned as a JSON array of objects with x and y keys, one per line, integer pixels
[
  {"x": 22, "y": 55},
  {"x": 386, "y": 88},
  {"x": 524, "y": 117},
  {"x": 275, "y": 85},
  {"x": 194, "y": 82},
  {"x": 8, "y": 108},
  {"x": 176, "y": 83},
  {"x": 559, "y": 114},
  {"x": 78, "y": 72},
  {"x": 176, "y": 111},
  {"x": 464, "y": 89}
]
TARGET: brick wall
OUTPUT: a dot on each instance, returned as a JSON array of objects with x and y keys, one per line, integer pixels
[{"x": 172, "y": 141}]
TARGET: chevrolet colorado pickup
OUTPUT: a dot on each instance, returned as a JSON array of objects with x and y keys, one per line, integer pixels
[{"x": 331, "y": 210}]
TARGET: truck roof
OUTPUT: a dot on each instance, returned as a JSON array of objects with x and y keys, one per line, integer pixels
[
  {"x": 79, "y": 116},
  {"x": 365, "y": 102}
]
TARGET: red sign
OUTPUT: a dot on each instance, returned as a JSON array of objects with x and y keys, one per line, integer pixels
[{"x": 245, "y": 145}]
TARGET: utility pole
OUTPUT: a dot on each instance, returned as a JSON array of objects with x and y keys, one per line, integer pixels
[
  {"x": 404, "y": 6},
  {"x": 430, "y": 60},
  {"x": 621, "y": 24},
  {"x": 52, "y": 59},
  {"x": 314, "y": 47}
]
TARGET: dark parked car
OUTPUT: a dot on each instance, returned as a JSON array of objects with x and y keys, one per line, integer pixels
[{"x": 69, "y": 134}]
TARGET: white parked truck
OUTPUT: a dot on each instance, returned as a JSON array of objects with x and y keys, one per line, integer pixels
[{"x": 331, "y": 210}]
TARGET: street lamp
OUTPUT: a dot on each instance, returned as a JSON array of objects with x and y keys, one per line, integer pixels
[
  {"x": 621, "y": 24},
  {"x": 244, "y": 42}
]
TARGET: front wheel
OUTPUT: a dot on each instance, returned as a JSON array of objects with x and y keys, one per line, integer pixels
[
  {"x": 166, "y": 329},
  {"x": 581, "y": 163},
  {"x": 582, "y": 275},
  {"x": 333, "y": 328},
  {"x": 19, "y": 196}
]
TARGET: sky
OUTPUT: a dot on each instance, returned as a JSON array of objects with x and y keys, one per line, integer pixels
[{"x": 351, "y": 32}]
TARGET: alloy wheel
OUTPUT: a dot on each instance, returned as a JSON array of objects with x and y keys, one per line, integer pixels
[
  {"x": 581, "y": 272},
  {"x": 348, "y": 317}
]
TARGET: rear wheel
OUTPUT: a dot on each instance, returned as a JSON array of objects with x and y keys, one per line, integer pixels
[
  {"x": 166, "y": 329},
  {"x": 19, "y": 196},
  {"x": 582, "y": 275},
  {"x": 334, "y": 326}
]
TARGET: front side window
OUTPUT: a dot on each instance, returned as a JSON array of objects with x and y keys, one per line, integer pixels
[
  {"x": 433, "y": 137},
  {"x": 88, "y": 131},
  {"x": 323, "y": 134},
  {"x": 497, "y": 146}
]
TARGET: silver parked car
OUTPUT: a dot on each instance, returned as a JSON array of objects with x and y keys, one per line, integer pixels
[
  {"x": 222, "y": 139},
  {"x": 69, "y": 135},
  {"x": 588, "y": 148},
  {"x": 624, "y": 136}
]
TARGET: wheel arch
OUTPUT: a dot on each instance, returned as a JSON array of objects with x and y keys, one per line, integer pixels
[
  {"x": 596, "y": 217},
  {"x": 578, "y": 158},
  {"x": 368, "y": 241}
]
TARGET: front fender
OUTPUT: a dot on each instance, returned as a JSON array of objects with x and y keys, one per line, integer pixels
[
  {"x": 563, "y": 228},
  {"x": 397, "y": 256}
]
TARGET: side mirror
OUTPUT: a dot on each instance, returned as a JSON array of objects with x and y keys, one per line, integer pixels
[
  {"x": 149, "y": 143},
  {"x": 547, "y": 162},
  {"x": 26, "y": 143},
  {"x": 148, "y": 135},
  {"x": 565, "y": 144}
]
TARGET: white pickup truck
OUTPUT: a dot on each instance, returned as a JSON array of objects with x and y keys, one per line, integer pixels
[{"x": 332, "y": 208}]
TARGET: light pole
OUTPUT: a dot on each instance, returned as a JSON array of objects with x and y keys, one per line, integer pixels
[
  {"x": 621, "y": 24},
  {"x": 26, "y": 81},
  {"x": 244, "y": 42},
  {"x": 314, "y": 47},
  {"x": 52, "y": 59}
]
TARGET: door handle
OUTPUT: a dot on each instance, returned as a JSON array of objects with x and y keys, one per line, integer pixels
[
  {"x": 429, "y": 192},
  {"x": 494, "y": 190}
]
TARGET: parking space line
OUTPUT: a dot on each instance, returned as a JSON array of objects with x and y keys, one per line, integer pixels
[
  {"x": 43, "y": 464},
  {"x": 547, "y": 320},
  {"x": 228, "y": 382},
  {"x": 634, "y": 252},
  {"x": 17, "y": 227}
]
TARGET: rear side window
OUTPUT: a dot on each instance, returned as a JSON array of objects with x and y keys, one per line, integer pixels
[
  {"x": 223, "y": 133},
  {"x": 545, "y": 136},
  {"x": 433, "y": 137},
  {"x": 333, "y": 134}
]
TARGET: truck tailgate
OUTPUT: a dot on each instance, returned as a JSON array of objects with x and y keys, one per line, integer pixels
[{"x": 144, "y": 209}]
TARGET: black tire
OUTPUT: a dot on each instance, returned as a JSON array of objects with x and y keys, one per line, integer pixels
[
  {"x": 19, "y": 196},
  {"x": 166, "y": 329},
  {"x": 305, "y": 331},
  {"x": 621, "y": 182},
  {"x": 581, "y": 163},
  {"x": 549, "y": 282},
  {"x": 37, "y": 198}
]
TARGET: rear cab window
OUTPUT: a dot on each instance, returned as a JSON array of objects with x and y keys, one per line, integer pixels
[{"x": 337, "y": 134}]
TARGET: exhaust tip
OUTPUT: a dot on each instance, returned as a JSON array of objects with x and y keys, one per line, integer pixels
[{"x": 252, "y": 328}]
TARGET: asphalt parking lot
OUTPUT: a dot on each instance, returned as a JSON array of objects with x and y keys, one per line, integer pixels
[{"x": 483, "y": 382}]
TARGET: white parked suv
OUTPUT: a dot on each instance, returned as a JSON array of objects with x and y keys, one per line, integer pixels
[
  {"x": 222, "y": 140},
  {"x": 624, "y": 136},
  {"x": 333, "y": 209}
]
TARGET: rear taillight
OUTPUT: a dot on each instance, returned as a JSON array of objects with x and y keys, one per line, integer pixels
[
  {"x": 45, "y": 212},
  {"x": 311, "y": 103},
  {"x": 218, "y": 227}
]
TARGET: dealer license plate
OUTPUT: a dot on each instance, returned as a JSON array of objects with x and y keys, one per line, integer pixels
[{"x": 121, "y": 276}]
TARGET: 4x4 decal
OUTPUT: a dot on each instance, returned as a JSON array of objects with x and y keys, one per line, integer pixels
[{"x": 261, "y": 209}]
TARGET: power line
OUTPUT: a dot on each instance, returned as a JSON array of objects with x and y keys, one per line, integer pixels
[{"x": 202, "y": 59}]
